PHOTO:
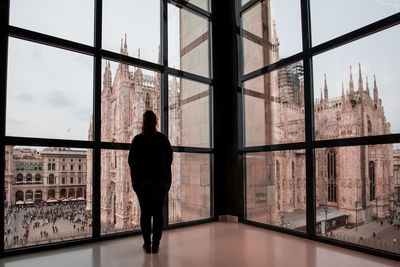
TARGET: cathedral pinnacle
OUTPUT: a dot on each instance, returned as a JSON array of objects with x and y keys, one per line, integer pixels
[
  {"x": 366, "y": 85},
  {"x": 343, "y": 91},
  {"x": 138, "y": 53},
  {"x": 325, "y": 89},
  {"x": 375, "y": 91},
  {"x": 351, "y": 85}
]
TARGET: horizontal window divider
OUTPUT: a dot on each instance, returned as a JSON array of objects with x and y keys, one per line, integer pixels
[
  {"x": 358, "y": 141},
  {"x": 46, "y": 142},
  {"x": 362, "y": 32},
  {"x": 188, "y": 75},
  {"x": 281, "y": 63},
  {"x": 189, "y": 223},
  {"x": 191, "y": 8},
  {"x": 47, "y": 247},
  {"x": 275, "y": 147},
  {"x": 274, "y": 228},
  {"x": 131, "y": 61},
  {"x": 192, "y": 149},
  {"x": 50, "y": 40},
  {"x": 247, "y": 6},
  {"x": 111, "y": 145},
  {"x": 353, "y": 246},
  {"x": 111, "y": 236}
]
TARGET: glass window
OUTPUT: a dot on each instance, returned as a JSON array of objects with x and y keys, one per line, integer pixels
[
  {"x": 354, "y": 88},
  {"x": 189, "y": 196},
  {"x": 274, "y": 107},
  {"x": 54, "y": 85},
  {"x": 124, "y": 100},
  {"x": 188, "y": 41},
  {"x": 125, "y": 20},
  {"x": 120, "y": 210},
  {"x": 68, "y": 19},
  {"x": 276, "y": 188},
  {"x": 365, "y": 209},
  {"x": 353, "y": 14},
  {"x": 189, "y": 113},
  {"x": 271, "y": 30},
  {"x": 68, "y": 214},
  {"x": 71, "y": 180}
]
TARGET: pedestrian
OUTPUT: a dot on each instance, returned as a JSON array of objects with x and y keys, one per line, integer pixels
[{"x": 150, "y": 159}]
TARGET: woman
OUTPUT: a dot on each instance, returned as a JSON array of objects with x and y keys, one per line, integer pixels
[{"x": 150, "y": 159}]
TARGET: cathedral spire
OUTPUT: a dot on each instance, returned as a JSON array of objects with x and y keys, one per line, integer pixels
[
  {"x": 351, "y": 85},
  {"x": 274, "y": 36},
  {"x": 325, "y": 89},
  {"x": 343, "y": 91},
  {"x": 366, "y": 85},
  {"x": 360, "y": 81},
  {"x": 322, "y": 98},
  {"x": 121, "y": 50},
  {"x": 107, "y": 76},
  {"x": 375, "y": 91},
  {"x": 275, "y": 43}
]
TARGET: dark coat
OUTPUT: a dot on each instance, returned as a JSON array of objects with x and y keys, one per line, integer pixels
[{"x": 150, "y": 160}]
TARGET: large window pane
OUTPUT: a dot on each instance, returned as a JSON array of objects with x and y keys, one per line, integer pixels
[
  {"x": 68, "y": 19},
  {"x": 119, "y": 206},
  {"x": 39, "y": 207},
  {"x": 357, "y": 195},
  {"x": 271, "y": 31},
  {"x": 356, "y": 88},
  {"x": 276, "y": 188},
  {"x": 204, "y": 4},
  {"x": 189, "y": 196},
  {"x": 273, "y": 106},
  {"x": 353, "y": 14},
  {"x": 132, "y": 27},
  {"x": 188, "y": 41},
  {"x": 189, "y": 113},
  {"x": 127, "y": 93},
  {"x": 49, "y": 92}
]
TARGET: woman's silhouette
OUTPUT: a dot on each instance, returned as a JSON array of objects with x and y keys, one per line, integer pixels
[{"x": 150, "y": 159}]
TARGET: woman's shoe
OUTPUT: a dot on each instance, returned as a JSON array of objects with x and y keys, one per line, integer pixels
[{"x": 146, "y": 248}]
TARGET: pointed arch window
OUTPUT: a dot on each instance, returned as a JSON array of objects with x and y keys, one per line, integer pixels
[
  {"x": 147, "y": 102},
  {"x": 372, "y": 186},
  {"x": 332, "y": 176}
]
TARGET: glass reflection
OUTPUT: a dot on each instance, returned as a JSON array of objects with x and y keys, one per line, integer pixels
[{"x": 276, "y": 188}]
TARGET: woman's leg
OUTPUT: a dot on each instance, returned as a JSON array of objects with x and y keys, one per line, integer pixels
[
  {"x": 159, "y": 197},
  {"x": 145, "y": 214}
]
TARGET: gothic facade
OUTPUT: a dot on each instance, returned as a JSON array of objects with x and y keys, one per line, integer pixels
[{"x": 354, "y": 183}]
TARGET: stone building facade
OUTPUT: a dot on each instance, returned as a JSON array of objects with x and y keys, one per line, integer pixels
[
  {"x": 351, "y": 182},
  {"x": 124, "y": 100},
  {"x": 50, "y": 175}
]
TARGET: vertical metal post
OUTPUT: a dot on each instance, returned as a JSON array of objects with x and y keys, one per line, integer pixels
[
  {"x": 164, "y": 84},
  {"x": 4, "y": 18},
  {"x": 97, "y": 120},
  {"x": 309, "y": 117}
]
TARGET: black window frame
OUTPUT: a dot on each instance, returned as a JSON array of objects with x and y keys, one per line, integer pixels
[
  {"x": 96, "y": 144},
  {"x": 310, "y": 143}
]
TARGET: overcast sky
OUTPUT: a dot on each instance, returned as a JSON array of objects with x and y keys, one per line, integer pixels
[{"x": 50, "y": 90}]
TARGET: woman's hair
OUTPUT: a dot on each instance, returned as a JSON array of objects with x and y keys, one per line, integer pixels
[{"x": 149, "y": 123}]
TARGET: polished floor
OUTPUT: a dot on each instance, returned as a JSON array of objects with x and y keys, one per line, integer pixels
[{"x": 207, "y": 245}]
